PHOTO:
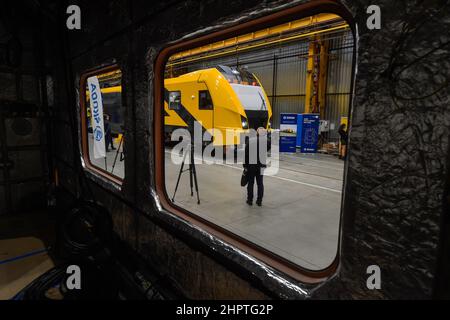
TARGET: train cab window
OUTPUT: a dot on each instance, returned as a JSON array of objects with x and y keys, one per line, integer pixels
[
  {"x": 175, "y": 100},
  {"x": 102, "y": 111},
  {"x": 204, "y": 100},
  {"x": 280, "y": 122}
]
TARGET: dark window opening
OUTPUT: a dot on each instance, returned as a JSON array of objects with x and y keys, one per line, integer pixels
[
  {"x": 175, "y": 100},
  {"x": 204, "y": 100}
]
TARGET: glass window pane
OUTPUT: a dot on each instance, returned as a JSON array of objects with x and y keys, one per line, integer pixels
[
  {"x": 278, "y": 124},
  {"x": 105, "y": 122},
  {"x": 175, "y": 100}
]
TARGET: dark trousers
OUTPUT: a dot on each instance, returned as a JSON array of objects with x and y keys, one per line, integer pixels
[
  {"x": 109, "y": 140},
  {"x": 255, "y": 173}
]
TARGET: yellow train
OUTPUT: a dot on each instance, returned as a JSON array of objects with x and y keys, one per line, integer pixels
[{"x": 226, "y": 101}]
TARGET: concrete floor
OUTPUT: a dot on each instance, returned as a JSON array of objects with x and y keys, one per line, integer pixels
[
  {"x": 107, "y": 165},
  {"x": 299, "y": 218}
]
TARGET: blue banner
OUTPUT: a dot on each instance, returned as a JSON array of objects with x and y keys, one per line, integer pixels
[
  {"x": 288, "y": 132},
  {"x": 308, "y": 132}
]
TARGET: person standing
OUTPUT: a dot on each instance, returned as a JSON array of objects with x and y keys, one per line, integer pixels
[
  {"x": 108, "y": 134},
  {"x": 344, "y": 139},
  {"x": 254, "y": 163}
]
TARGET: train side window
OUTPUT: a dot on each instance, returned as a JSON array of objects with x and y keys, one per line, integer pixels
[
  {"x": 175, "y": 100},
  {"x": 204, "y": 100},
  {"x": 282, "y": 106},
  {"x": 102, "y": 114}
]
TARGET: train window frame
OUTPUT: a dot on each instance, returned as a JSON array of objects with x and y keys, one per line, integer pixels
[
  {"x": 88, "y": 165},
  {"x": 271, "y": 259},
  {"x": 210, "y": 105}
]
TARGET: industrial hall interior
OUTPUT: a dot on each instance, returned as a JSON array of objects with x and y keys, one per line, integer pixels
[{"x": 205, "y": 150}]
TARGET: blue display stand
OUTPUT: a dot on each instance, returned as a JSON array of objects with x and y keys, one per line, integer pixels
[
  {"x": 308, "y": 132},
  {"x": 288, "y": 132}
]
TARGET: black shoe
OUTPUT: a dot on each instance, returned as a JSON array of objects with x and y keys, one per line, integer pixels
[
  {"x": 250, "y": 203},
  {"x": 112, "y": 148},
  {"x": 259, "y": 203}
]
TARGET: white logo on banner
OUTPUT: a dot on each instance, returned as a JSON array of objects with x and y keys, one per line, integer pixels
[{"x": 97, "y": 117}]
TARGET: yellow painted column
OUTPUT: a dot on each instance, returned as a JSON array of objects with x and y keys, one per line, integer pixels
[
  {"x": 310, "y": 78},
  {"x": 323, "y": 72}
]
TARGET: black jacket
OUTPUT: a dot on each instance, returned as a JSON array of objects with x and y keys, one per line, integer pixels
[
  {"x": 344, "y": 136},
  {"x": 254, "y": 161}
]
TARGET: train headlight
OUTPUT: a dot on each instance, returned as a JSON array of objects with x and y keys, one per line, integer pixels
[{"x": 244, "y": 123}]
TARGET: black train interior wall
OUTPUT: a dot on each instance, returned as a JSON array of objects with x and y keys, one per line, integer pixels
[{"x": 355, "y": 182}]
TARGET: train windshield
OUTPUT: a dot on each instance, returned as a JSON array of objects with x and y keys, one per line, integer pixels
[
  {"x": 247, "y": 88},
  {"x": 238, "y": 76},
  {"x": 251, "y": 97}
]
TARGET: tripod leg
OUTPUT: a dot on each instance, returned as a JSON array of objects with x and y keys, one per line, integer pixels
[
  {"x": 190, "y": 180},
  {"x": 194, "y": 172},
  {"x": 117, "y": 153},
  {"x": 179, "y": 176},
  {"x": 191, "y": 165}
]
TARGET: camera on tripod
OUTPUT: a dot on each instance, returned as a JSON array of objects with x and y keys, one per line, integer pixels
[{"x": 191, "y": 168}]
